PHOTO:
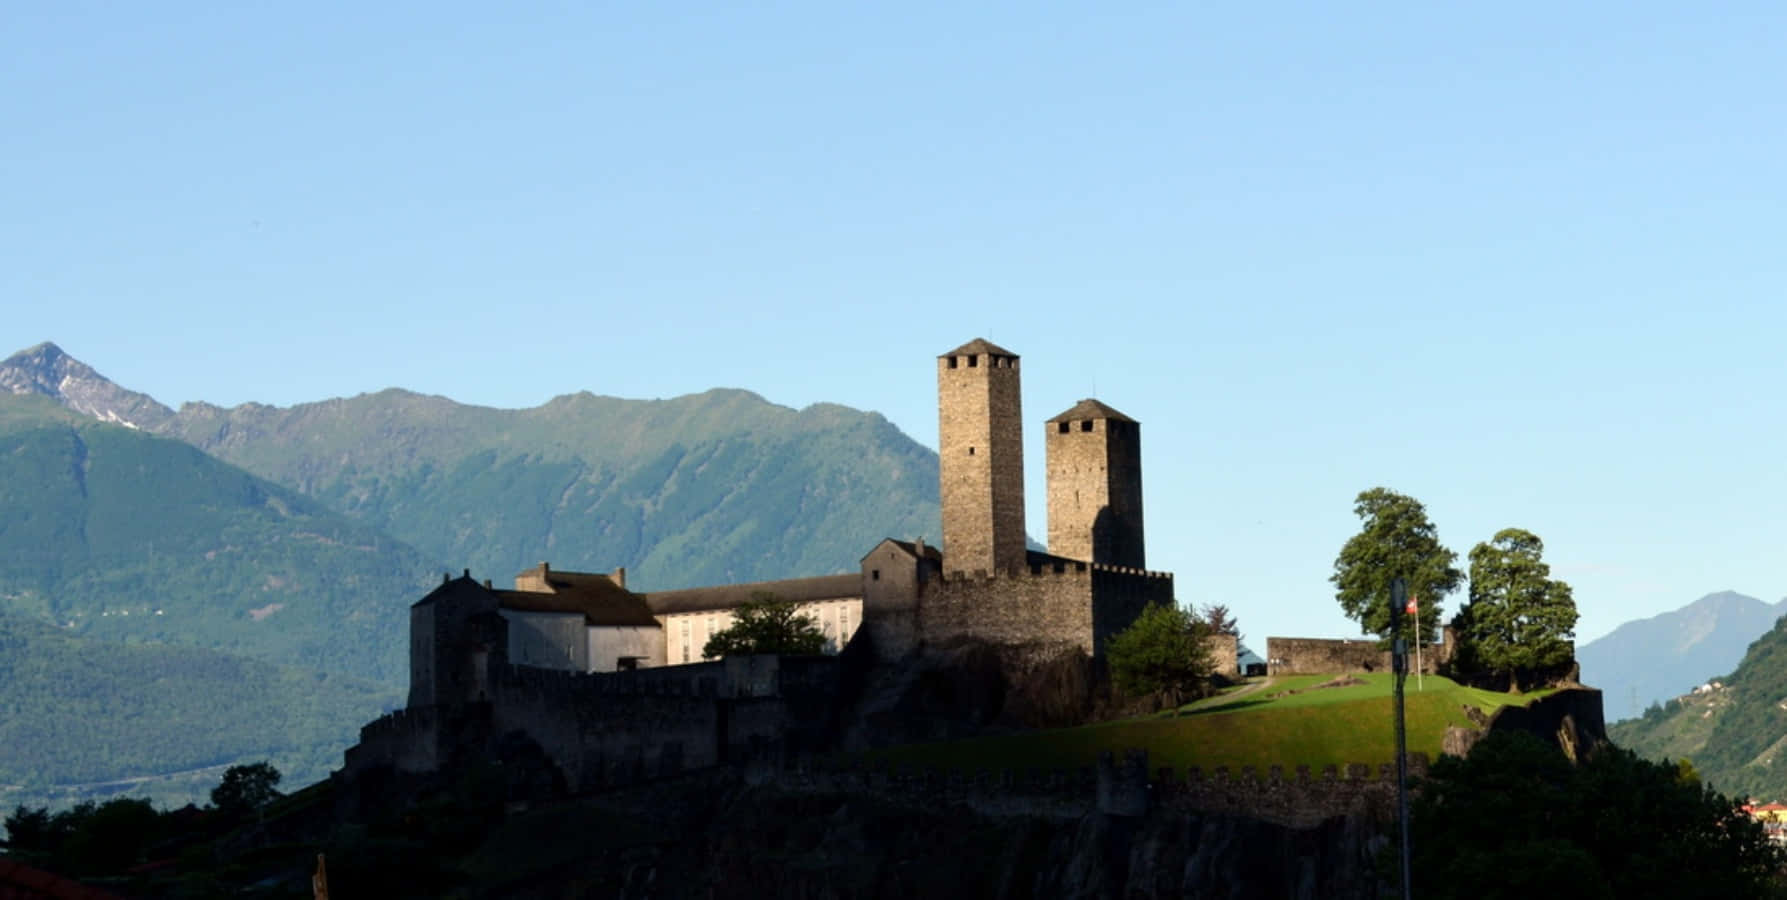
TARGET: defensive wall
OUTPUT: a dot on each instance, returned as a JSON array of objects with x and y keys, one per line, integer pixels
[
  {"x": 1327, "y": 656},
  {"x": 608, "y": 728},
  {"x": 1299, "y": 798},
  {"x": 1062, "y": 603}
]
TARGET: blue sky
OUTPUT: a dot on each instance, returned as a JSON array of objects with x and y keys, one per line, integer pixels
[{"x": 1522, "y": 262}]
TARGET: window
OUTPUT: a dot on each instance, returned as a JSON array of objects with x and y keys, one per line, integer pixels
[
  {"x": 686, "y": 640},
  {"x": 874, "y": 574},
  {"x": 973, "y": 361},
  {"x": 1061, "y": 427},
  {"x": 844, "y": 623},
  {"x": 970, "y": 451},
  {"x": 1086, "y": 425},
  {"x": 952, "y": 362}
]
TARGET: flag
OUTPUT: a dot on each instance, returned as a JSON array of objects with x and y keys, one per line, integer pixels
[{"x": 1412, "y": 604}]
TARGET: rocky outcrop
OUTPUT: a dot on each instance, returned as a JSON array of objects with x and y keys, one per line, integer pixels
[
  {"x": 45, "y": 369},
  {"x": 766, "y": 842},
  {"x": 1571, "y": 719}
]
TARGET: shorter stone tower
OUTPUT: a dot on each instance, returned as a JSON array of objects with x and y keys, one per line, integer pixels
[
  {"x": 980, "y": 444},
  {"x": 1095, "y": 485}
]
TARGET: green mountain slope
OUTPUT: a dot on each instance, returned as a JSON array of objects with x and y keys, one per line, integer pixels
[
  {"x": 1650, "y": 660},
  {"x": 1736, "y": 734},
  {"x": 714, "y": 487},
  {"x": 87, "y": 712},
  {"x": 111, "y": 533}
]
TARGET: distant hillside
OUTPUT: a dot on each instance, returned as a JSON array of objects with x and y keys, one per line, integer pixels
[
  {"x": 82, "y": 711},
  {"x": 111, "y": 533},
  {"x": 710, "y": 488},
  {"x": 1736, "y": 735},
  {"x": 1651, "y": 660}
]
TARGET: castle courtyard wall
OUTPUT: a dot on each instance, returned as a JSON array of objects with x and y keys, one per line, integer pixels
[
  {"x": 1326, "y": 656},
  {"x": 550, "y": 640},
  {"x": 1049, "y": 607}
]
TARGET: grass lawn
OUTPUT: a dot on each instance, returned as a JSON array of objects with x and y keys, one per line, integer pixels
[{"x": 1319, "y": 727}]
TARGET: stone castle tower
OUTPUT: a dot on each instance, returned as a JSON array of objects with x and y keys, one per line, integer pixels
[
  {"x": 1095, "y": 485},
  {"x": 981, "y": 444}
]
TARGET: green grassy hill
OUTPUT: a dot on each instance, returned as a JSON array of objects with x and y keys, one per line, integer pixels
[
  {"x": 709, "y": 488},
  {"x": 1735, "y": 735},
  {"x": 1288, "y": 722}
]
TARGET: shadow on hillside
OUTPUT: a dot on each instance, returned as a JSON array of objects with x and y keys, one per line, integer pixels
[{"x": 1230, "y": 706}]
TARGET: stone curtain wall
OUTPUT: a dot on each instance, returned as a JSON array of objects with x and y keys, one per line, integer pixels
[
  {"x": 603, "y": 729},
  {"x": 1299, "y": 799},
  {"x": 1050, "y": 608},
  {"x": 1323, "y": 656},
  {"x": 1119, "y": 595},
  {"x": 1225, "y": 651}
]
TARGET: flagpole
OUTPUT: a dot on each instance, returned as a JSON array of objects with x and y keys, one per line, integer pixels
[{"x": 1415, "y": 607}]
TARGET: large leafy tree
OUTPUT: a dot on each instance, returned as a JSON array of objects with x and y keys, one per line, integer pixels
[
  {"x": 1396, "y": 541},
  {"x": 1515, "y": 819},
  {"x": 246, "y": 788},
  {"x": 766, "y": 624},
  {"x": 1518, "y": 618},
  {"x": 1164, "y": 649}
]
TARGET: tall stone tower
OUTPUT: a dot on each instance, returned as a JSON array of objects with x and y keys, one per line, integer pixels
[
  {"x": 981, "y": 441},
  {"x": 1095, "y": 485}
]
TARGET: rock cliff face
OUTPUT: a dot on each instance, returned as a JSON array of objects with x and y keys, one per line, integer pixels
[
  {"x": 45, "y": 369},
  {"x": 765, "y": 842}
]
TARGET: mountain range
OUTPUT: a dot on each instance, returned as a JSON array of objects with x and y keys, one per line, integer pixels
[{"x": 1648, "y": 661}]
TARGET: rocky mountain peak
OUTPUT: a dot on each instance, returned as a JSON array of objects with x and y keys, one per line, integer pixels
[{"x": 45, "y": 369}]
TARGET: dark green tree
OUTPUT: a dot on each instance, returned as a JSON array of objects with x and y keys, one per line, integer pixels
[
  {"x": 766, "y": 624},
  {"x": 1518, "y": 619},
  {"x": 1221, "y": 621},
  {"x": 1164, "y": 649},
  {"x": 1397, "y": 541},
  {"x": 1517, "y": 820},
  {"x": 246, "y": 788}
]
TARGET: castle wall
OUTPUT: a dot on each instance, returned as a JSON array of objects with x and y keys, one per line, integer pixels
[
  {"x": 1051, "y": 607},
  {"x": 1324, "y": 656},
  {"x": 686, "y": 634},
  {"x": 608, "y": 644},
  {"x": 422, "y": 656},
  {"x": 550, "y": 640},
  {"x": 980, "y": 447},
  {"x": 1225, "y": 651},
  {"x": 1119, "y": 595},
  {"x": 891, "y": 581}
]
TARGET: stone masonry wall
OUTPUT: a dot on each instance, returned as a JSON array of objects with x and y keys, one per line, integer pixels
[
  {"x": 1095, "y": 491},
  {"x": 1324, "y": 656},
  {"x": 980, "y": 446},
  {"x": 1051, "y": 607},
  {"x": 1119, "y": 596}
]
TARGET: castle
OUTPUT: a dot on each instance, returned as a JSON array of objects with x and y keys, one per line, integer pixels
[{"x": 609, "y": 682}]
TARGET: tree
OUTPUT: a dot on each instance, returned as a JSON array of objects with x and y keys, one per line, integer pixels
[
  {"x": 1397, "y": 541},
  {"x": 1518, "y": 619},
  {"x": 246, "y": 788},
  {"x": 1164, "y": 649},
  {"x": 1515, "y": 819},
  {"x": 1221, "y": 621},
  {"x": 766, "y": 624}
]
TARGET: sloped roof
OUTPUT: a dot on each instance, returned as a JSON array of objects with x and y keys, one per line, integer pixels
[
  {"x": 1091, "y": 409},
  {"x": 979, "y": 345},
  {"x": 450, "y": 586},
  {"x": 911, "y": 549},
  {"x": 731, "y": 596},
  {"x": 601, "y": 601}
]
